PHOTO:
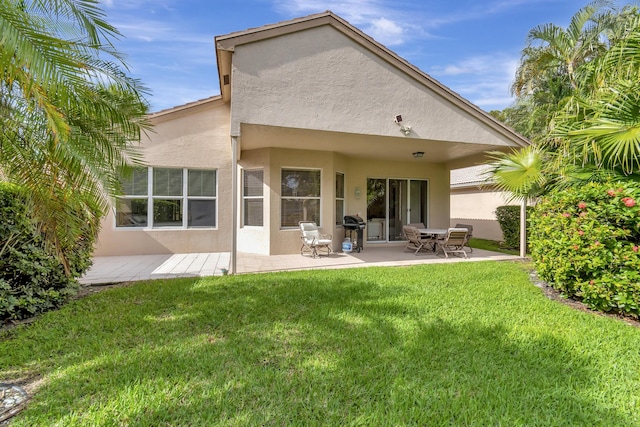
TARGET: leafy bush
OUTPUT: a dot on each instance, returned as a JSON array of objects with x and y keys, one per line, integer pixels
[
  {"x": 509, "y": 219},
  {"x": 32, "y": 279},
  {"x": 585, "y": 242}
]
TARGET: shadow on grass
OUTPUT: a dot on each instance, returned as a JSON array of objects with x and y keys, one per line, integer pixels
[{"x": 291, "y": 349}]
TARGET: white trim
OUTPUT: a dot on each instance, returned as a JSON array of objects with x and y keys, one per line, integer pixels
[
  {"x": 343, "y": 198},
  {"x": 214, "y": 198},
  {"x": 185, "y": 198},
  {"x": 234, "y": 205},
  {"x": 243, "y": 197},
  {"x": 150, "y": 197}
]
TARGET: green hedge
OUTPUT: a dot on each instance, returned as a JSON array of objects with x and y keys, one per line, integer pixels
[
  {"x": 32, "y": 279},
  {"x": 509, "y": 219},
  {"x": 585, "y": 242}
]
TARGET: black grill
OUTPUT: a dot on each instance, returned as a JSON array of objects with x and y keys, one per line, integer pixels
[{"x": 353, "y": 229}]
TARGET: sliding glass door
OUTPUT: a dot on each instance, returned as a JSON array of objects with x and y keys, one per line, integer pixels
[
  {"x": 418, "y": 204},
  {"x": 397, "y": 208},
  {"x": 393, "y": 203}
]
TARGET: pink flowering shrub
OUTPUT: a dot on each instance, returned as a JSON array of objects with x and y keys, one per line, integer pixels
[{"x": 584, "y": 242}]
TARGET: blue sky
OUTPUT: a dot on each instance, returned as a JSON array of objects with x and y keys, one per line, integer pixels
[{"x": 473, "y": 47}]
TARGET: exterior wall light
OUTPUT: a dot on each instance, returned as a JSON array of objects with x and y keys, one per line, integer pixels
[{"x": 405, "y": 129}]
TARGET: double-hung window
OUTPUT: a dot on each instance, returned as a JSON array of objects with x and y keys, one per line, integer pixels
[
  {"x": 339, "y": 198},
  {"x": 252, "y": 197},
  {"x": 300, "y": 197},
  {"x": 133, "y": 207},
  {"x": 201, "y": 198},
  {"x": 168, "y": 197}
]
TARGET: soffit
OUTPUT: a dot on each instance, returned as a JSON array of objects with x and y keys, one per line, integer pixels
[{"x": 361, "y": 146}]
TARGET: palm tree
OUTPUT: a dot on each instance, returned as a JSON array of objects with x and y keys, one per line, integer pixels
[
  {"x": 522, "y": 174},
  {"x": 605, "y": 128},
  {"x": 69, "y": 112},
  {"x": 548, "y": 74},
  {"x": 556, "y": 52},
  {"x": 617, "y": 24}
]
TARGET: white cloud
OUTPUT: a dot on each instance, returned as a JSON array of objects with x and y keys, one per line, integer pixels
[
  {"x": 399, "y": 22},
  {"x": 136, "y": 4},
  {"x": 174, "y": 59},
  {"x": 383, "y": 21},
  {"x": 480, "y": 64},
  {"x": 476, "y": 11},
  {"x": 350, "y": 9},
  {"x": 451, "y": 70},
  {"x": 386, "y": 32},
  {"x": 150, "y": 30},
  {"x": 484, "y": 79},
  {"x": 489, "y": 103}
]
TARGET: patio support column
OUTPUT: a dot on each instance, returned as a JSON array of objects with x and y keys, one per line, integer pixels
[
  {"x": 523, "y": 228},
  {"x": 234, "y": 204}
]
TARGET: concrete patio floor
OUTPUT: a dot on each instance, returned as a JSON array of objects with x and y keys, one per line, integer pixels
[{"x": 144, "y": 267}]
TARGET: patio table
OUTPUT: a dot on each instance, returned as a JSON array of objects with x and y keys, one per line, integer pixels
[
  {"x": 433, "y": 231},
  {"x": 433, "y": 234}
]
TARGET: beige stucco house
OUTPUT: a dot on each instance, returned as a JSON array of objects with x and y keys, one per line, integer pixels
[{"x": 315, "y": 120}]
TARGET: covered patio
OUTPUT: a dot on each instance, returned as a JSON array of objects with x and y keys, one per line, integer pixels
[{"x": 114, "y": 269}]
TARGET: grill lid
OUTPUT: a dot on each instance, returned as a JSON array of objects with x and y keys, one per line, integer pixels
[{"x": 353, "y": 219}]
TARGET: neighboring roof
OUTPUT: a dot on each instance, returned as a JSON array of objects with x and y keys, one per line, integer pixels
[
  {"x": 187, "y": 108},
  {"x": 473, "y": 176},
  {"x": 225, "y": 45}
]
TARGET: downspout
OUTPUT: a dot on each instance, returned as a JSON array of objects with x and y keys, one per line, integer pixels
[
  {"x": 234, "y": 205},
  {"x": 523, "y": 228}
]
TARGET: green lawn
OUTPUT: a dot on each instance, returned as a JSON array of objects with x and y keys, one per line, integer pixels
[
  {"x": 491, "y": 245},
  {"x": 472, "y": 343}
]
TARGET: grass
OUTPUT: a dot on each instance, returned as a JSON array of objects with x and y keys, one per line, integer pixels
[
  {"x": 449, "y": 344},
  {"x": 491, "y": 245}
]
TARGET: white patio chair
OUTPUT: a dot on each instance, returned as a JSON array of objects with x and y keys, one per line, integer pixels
[{"x": 312, "y": 240}]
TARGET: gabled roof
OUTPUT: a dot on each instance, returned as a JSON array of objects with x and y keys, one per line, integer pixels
[{"x": 225, "y": 45}]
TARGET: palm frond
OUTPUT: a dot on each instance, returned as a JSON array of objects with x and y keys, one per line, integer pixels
[
  {"x": 519, "y": 173},
  {"x": 70, "y": 115}
]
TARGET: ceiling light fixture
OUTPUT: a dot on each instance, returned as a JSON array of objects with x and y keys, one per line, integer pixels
[{"x": 417, "y": 154}]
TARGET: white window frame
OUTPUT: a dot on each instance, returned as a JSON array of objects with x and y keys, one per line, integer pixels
[
  {"x": 150, "y": 197},
  {"x": 245, "y": 197},
  {"x": 155, "y": 197},
  {"x": 339, "y": 221},
  {"x": 133, "y": 197},
  {"x": 319, "y": 198},
  {"x": 187, "y": 198}
]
